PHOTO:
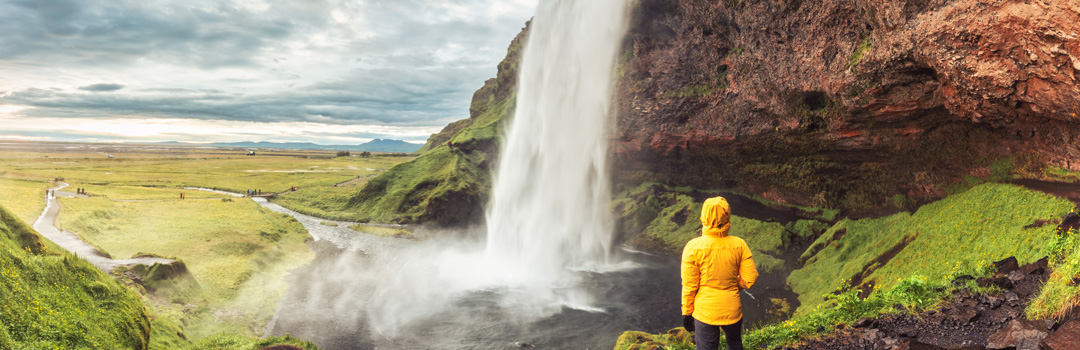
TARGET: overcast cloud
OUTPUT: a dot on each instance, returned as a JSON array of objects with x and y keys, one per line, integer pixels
[{"x": 332, "y": 71}]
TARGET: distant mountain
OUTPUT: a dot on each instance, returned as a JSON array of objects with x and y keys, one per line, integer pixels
[{"x": 376, "y": 145}]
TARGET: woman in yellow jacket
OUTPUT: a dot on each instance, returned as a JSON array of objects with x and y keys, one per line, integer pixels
[{"x": 715, "y": 267}]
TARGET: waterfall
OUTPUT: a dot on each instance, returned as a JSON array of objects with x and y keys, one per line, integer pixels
[
  {"x": 549, "y": 217},
  {"x": 549, "y": 210}
]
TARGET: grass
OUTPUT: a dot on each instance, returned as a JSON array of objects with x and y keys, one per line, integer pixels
[
  {"x": 54, "y": 300},
  {"x": 237, "y": 251},
  {"x": 1061, "y": 294},
  {"x": 381, "y": 230},
  {"x": 235, "y": 173},
  {"x": 25, "y": 199},
  {"x": 983, "y": 224}
]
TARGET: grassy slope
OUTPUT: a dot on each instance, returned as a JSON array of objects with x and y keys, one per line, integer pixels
[
  {"x": 1060, "y": 295},
  {"x": 973, "y": 228},
  {"x": 238, "y": 252},
  {"x": 55, "y": 300}
]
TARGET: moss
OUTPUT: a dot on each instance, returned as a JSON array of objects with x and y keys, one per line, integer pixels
[{"x": 865, "y": 45}]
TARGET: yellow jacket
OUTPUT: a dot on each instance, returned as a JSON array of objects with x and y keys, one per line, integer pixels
[{"x": 712, "y": 266}]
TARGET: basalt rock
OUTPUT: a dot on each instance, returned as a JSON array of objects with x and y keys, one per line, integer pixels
[{"x": 806, "y": 100}]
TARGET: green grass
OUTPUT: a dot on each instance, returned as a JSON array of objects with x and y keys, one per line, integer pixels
[
  {"x": 237, "y": 251},
  {"x": 1060, "y": 294},
  {"x": 25, "y": 199},
  {"x": 237, "y": 174},
  {"x": 58, "y": 301},
  {"x": 973, "y": 228}
]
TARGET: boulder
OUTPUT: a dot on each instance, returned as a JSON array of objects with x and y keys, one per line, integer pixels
[
  {"x": 1019, "y": 335},
  {"x": 1067, "y": 337}
]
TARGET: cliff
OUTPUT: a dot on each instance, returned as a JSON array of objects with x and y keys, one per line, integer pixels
[
  {"x": 847, "y": 103},
  {"x": 850, "y": 104}
]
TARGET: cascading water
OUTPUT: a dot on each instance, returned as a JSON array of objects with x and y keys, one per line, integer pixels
[
  {"x": 549, "y": 217},
  {"x": 550, "y": 210}
]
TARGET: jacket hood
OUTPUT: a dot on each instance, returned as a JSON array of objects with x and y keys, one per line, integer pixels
[{"x": 715, "y": 217}]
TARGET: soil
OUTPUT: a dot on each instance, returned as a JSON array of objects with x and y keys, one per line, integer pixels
[{"x": 970, "y": 321}]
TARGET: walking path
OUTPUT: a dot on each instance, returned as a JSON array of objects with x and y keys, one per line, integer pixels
[{"x": 46, "y": 226}]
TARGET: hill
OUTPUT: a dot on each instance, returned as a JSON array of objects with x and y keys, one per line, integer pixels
[{"x": 56, "y": 300}]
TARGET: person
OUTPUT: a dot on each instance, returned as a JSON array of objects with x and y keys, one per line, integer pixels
[{"x": 715, "y": 267}]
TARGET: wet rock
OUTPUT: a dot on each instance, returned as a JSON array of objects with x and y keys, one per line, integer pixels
[
  {"x": 1067, "y": 337},
  {"x": 1017, "y": 334},
  {"x": 1007, "y": 265},
  {"x": 523, "y": 345}
]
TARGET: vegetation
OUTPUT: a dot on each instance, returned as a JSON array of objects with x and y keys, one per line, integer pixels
[
  {"x": 237, "y": 251},
  {"x": 387, "y": 231},
  {"x": 54, "y": 300},
  {"x": 865, "y": 45},
  {"x": 25, "y": 199},
  {"x": 231, "y": 173},
  {"x": 983, "y": 224},
  {"x": 1061, "y": 293}
]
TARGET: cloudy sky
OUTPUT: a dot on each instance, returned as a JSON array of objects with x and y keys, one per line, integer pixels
[{"x": 322, "y": 71}]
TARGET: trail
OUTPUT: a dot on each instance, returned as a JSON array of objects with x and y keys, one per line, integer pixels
[{"x": 46, "y": 226}]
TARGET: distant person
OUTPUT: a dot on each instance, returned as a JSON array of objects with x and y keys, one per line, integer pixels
[{"x": 715, "y": 267}]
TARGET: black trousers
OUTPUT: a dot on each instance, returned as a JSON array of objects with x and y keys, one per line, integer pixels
[{"x": 707, "y": 336}]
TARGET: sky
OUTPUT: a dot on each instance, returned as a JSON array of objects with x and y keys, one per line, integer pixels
[{"x": 321, "y": 71}]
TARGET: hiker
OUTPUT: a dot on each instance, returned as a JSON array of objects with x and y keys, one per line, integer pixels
[{"x": 715, "y": 267}]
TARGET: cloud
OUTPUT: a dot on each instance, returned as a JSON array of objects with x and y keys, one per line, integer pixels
[
  {"x": 101, "y": 87},
  {"x": 336, "y": 62}
]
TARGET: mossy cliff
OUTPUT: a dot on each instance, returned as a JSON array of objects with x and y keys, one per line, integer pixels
[
  {"x": 56, "y": 300},
  {"x": 449, "y": 183}
]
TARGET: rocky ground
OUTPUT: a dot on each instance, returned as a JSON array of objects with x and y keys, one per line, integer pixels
[{"x": 971, "y": 321}]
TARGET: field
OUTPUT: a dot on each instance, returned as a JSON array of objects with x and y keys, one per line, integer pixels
[
  {"x": 178, "y": 167},
  {"x": 26, "y": 199},
  {"x": 237, "y": 253}
]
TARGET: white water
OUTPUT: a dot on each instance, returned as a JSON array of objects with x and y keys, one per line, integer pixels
[
  {"x": 549, "y": 217},
  {"x": 550, "y": 204}
]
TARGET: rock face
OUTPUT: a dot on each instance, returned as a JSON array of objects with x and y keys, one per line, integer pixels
[{"x": 806, "y": 100}]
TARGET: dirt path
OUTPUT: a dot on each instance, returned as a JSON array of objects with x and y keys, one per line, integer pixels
[{"x": 46, "y": 226}]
